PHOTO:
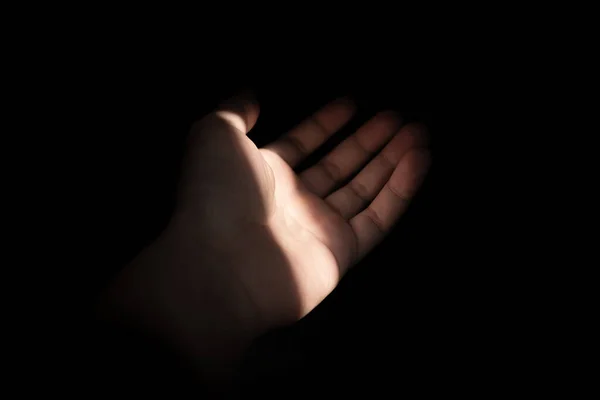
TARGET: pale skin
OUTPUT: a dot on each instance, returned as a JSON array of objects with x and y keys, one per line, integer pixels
[{"x": 253, "y": 244}]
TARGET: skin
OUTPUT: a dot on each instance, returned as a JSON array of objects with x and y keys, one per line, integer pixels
[{"x": 252, "y": 244}]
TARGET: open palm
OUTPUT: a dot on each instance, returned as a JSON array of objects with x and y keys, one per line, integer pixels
[{"x": 319, "y": 228}]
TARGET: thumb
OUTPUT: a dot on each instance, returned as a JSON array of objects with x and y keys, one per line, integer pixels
[{"x": 238, "y": 113}]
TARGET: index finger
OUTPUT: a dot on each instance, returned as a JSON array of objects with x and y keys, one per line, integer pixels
[{"x": 311, "y": 133}]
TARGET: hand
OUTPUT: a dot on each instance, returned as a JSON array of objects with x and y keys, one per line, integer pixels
[{"x": 254, "y": 239}]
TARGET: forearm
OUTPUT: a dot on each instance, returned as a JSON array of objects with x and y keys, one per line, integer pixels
[{"x": 176, "y": 293}]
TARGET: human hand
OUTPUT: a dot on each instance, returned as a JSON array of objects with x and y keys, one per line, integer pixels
[{"x": 260, "y": 243}]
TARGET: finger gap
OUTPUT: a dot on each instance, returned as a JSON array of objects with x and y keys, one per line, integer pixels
[
  {"x": 333, "y": 140},
  {"x": 371, "y": 158},
  {"x": 280, "y": 115}
]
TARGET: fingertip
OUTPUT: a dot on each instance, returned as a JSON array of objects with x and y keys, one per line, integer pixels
[
  {"x": 424, "y": 157},
  {"x": 411, "y": 171},
  {"x": 418, "y": 132},
  {"x": 420, "y": 160}
]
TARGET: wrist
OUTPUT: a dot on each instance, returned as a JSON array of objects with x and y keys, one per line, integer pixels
[{"x": 184, "y": 294}]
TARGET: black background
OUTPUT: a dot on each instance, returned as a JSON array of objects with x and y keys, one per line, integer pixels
[{"x": 426, "y": 311}]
